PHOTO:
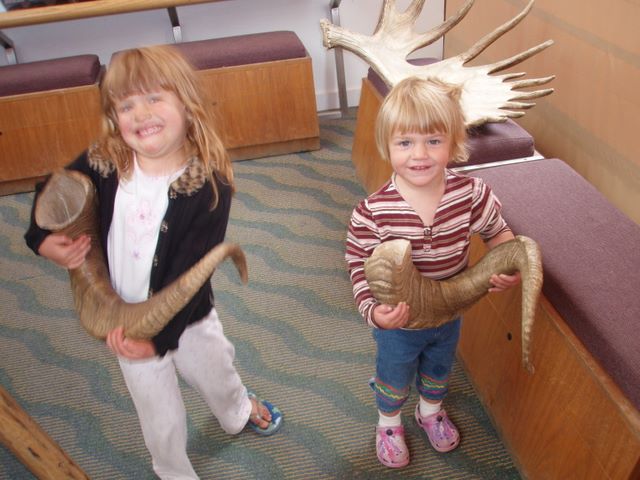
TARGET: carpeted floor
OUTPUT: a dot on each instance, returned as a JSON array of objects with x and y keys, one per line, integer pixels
[{"x": 299, "y": 343}]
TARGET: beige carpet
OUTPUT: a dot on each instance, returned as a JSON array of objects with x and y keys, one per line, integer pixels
[{"x": 299, "y": 343}]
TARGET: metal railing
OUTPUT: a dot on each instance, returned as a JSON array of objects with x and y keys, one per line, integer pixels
[
  {"x": 96, "y": 8},
  {"x": 334, "y": 10}
]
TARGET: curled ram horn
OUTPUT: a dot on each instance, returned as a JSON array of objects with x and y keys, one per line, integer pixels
[
  {"x": 68, "y": 205},
  {"x": 393, "y": 278}
]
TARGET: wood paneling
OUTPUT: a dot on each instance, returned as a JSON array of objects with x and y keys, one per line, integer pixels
[
  {"x": 42, "y": 131},
  {"x": 590, "y": 121},
  {"x": 265, "y": 108},
  {"x": 371, "y": 169},
  {"x": 568, "y": 419},
  {"x": 260, "y": 109},
  {"x": 94, "y": 8}
]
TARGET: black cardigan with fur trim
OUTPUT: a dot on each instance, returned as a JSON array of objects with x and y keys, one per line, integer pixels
[{"x": 189, "y": 230}]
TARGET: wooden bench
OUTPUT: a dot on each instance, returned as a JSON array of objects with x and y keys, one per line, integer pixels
[
  {"x": 492, "y": 142},
  {"x": 578, "y": 415},
  {"x": 261, "y": 88},
  {"x": 49, "y": 113}
]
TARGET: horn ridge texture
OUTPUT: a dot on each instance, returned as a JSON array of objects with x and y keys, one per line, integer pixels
[
  {"x": 68, "y": 205},
  {"x": 393, "y": 278}
]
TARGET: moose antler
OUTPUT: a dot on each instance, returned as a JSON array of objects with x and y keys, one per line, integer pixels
[{"x": 485, "y": 97}]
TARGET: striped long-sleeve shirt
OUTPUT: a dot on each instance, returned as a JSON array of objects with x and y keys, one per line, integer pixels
[{"x": 440, "y": 250}]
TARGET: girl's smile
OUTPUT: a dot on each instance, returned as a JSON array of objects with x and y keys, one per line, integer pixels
[{"x": 149, "y": 131}]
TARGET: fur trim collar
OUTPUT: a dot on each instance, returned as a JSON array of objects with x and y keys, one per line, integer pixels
[{"x": 192, "y": 179}]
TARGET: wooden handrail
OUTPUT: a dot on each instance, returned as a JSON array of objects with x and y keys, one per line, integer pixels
[
  {"x": 93, "y": 8},
  {"x": 37, "y": 451}
]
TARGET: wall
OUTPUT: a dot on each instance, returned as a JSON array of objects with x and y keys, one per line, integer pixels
[
  {"x": 590, "y": 120},
  {"x": 105, "y": 35}
]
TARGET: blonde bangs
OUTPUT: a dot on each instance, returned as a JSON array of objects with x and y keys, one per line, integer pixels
[{"x": 423, "y": 115}]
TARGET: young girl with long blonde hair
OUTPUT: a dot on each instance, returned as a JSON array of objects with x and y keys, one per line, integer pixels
[{"x": 164, "y": 183}]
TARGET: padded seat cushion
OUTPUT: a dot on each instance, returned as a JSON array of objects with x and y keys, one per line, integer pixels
[
  {"x": 491, "y": 142},
  {"x": 591, "y": 258},
  {"x": 496, "y": 142},
  {"x": 243, "y": 49},
  {"x": 49, "y": 74}
]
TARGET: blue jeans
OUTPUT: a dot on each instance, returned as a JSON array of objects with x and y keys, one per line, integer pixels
[{"x": 426, "y": 355}]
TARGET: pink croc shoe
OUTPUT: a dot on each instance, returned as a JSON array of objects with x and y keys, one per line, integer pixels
[
  {"x": 441, "y": 432},
  {"x": 391, "y": 448}
]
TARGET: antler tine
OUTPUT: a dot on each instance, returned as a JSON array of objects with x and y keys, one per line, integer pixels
[
  {"x": 512, "y": 75},
  {"x": 519, "y": 105},
  {"x": 488, "y": 39},
  {"x": 504, "y": 114},
  {"x": 392, "y": 20},
  {"x": 439, "y": 31},
  {"x": 533, "y": 94},
  {"x": 336, "y": 36},
  {"x": 388, "y": 6},
  {"x": 531, "y": 82},
  {"x": 520, "y": 57},
  {"x": 414, "y": 9}
]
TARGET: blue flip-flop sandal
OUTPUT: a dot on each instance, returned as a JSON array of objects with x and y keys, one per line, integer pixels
[{"x": 276, "y": 417}]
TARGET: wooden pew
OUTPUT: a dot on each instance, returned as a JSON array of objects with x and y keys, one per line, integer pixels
[
  {"x": 568, "y": 420},
  {"x": 577, "y": 416},
  {"x": 260, "y": 87},
  {"x": 48, "y": 115},
  {"x": 262, "y": 92}
]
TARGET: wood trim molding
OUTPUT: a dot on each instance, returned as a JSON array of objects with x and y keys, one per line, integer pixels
[{"x": 87, "y": 9}]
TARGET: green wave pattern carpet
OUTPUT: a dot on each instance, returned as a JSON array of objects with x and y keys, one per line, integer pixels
[{"x": 300, "y": 343}]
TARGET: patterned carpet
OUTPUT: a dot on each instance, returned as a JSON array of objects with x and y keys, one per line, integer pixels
[{"x": 299, "y": 343}]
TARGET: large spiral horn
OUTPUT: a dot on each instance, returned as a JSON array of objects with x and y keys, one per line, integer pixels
[
  {"x": 393, "y": 278},
  {"x": 68, "y": 205}
]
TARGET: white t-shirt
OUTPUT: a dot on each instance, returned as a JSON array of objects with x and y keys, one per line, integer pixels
[{"x": 140, "y": 206}]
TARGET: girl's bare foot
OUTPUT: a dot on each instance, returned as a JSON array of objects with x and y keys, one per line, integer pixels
[
  {"x": 260, "y": 415},
  {"x": 265, "y": 418}
]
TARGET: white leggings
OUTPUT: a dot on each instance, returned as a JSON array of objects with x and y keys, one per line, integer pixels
[{"x": 205, "y": 360}]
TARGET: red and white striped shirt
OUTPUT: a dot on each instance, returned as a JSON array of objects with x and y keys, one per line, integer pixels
[{"x": 440, "y": 250}]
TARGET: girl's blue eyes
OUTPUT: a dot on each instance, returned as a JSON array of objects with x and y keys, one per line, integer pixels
[
  {"x": 125, "y": 107},
  {"x": 408, "y": 143}
]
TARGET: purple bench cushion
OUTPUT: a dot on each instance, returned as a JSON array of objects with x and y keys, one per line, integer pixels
[
  {"x": 243, "y": 49},
  {"x": 591, "y": 256},
  {"x": 495, "y": 142},
  {"x": 49, "y": 74},
  {"x": 491, "y": 142}
]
